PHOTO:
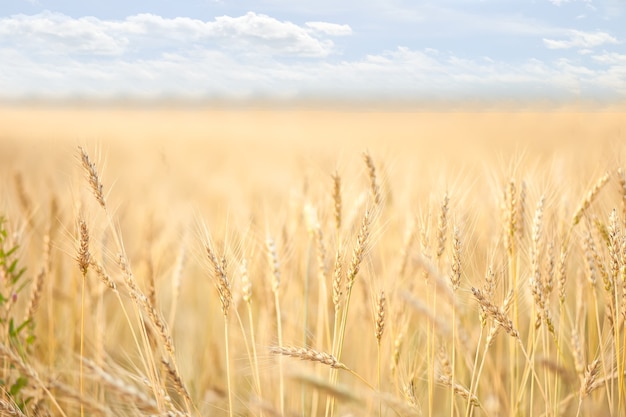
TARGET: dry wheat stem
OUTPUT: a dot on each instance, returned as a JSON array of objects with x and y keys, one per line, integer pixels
[
  {"x": 591, "y": 374},
  {"x": 621, "y": 178},
  {"x": 359, "y": 249},
  {"x": 221, "y": 279},
  {"x": 313, "y": 355},
  {"x": 111, "y": 284},
  {"x": 8, "y": 408},
  {"x": 247, "y": 297},
  {"x": 83, "y": 260},
  {"x": 496, "y": 313},
  {"x": 308, "y": 355},
  {"x": 337, "y": 202},
  {"x": 614, "y": 252},
  {"x": 92, "y": 177},
  {"x": 272, "y": 255},
  {"x": 176, "y": 380},
  {"x": 489, "y": 287},
  {"x": 601, "y": 228},
  {"x": 442, "y": 225},
  {"x": 358, "y": 253},
  {"x": 337, "y": 281},
  {"x": 562, "y": 273},
  {"x": 224, "y": 289},
  {"x": 104, "y": 277},
  {"x": 143, "y": 304},
  {"x": 459, "y": 390},
  {"x": 512, "y": 218},
  {"x": 380, "y": 316},
  {"x": 65, "y": 392},
  {"x": 123, "y": 389},
  {"x": 371, "y": 172},
  {"x": 521, "y": 210},
  {"x": 83, "y": 257},
  {"x": 591, "y": 195},
  {"x": 27, "y": 370},
  {"x": 380, "y": 327},
  {"x": 357, "y": 257},
  {"x": 549, "y": 269},
  {"x": 538, "y": 289},
  {"x": 35, "y": 295},
  {"x": 455, "y": 277}
]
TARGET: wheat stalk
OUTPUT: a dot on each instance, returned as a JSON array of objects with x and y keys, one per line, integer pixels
[
  {"x": 589, "y": 198},
  {"x": 337, "y": 202},
  {"x": 92, "y": 177},
  {"x": 272, "y": 256},
  {"x": 442, "y": 225},
  {"x": 371, "y": 172},
  {"x": 307, "y": 354},
  {"x": 496, "y": 313}
]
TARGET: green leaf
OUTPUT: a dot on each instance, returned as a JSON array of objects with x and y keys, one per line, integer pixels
[
  {"x": 18, "y": 385},
  {"x": 22, "y": 326}
]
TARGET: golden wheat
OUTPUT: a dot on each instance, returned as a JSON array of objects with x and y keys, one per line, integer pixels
[{"x": 500, "y": 253}]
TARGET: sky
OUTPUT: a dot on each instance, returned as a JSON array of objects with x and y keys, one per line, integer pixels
[{"x": 324, "y": 49}]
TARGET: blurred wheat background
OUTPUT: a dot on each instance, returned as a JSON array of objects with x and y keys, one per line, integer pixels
[{"x": 312, "y": 262}]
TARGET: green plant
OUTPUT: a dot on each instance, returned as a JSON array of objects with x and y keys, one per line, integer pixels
[{"x": 18, "y": 333}]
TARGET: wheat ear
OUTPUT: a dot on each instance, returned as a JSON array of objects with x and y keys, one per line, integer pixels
[
  {"x": 223, "y": 288},
  {"x": 591, "y": 195},
  {"x": 371, "y": 173}
]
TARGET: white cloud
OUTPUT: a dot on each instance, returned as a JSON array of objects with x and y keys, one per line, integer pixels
[
  {"x": 332, "y": 29},
  {"x": 255, "y": 55},
  {"x": 611, "y": 58},
  {"x": 261, "y": 31},
  {"x": 560, "y": 2},
  {"x": 57, "y": 33},
  {"x": 251, "y": 33},
  {"x": 580, "y": 39},
  {"x": 397, "y": 73}
]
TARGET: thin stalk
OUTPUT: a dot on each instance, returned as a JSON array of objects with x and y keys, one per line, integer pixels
[
  {"x": 431, "y": 356},
  {"x": 621, "y": 371},
  {"x": 306, "y": 313},
  {"x": 82, "y": 342},
  {"x": 230, "y": 391},
  {"x": 279, "y": 330},
  {"x": 330, "y": 400},
  {"x": 475, "y": 375},
  {"x": 380, "y": 401},
  {"x": 600, "y": 348},
  {"x": 453, "y": 359},
  {"x": 342, "y": 332},
  {"x": 513, "y": 346},
  {"x": 254, "y": 354}
]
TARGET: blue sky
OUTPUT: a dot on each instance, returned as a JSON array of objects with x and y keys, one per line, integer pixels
[{"x": 293, "y": 49}]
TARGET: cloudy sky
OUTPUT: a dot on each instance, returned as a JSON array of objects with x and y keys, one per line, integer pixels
[{"x": 293, "y": 49}]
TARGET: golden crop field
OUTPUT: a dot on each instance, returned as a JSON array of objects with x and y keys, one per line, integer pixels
[{"x": 312, "y": 262}]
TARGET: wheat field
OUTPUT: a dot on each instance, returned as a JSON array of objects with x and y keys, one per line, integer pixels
[{"x": 312, "y": 262}]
